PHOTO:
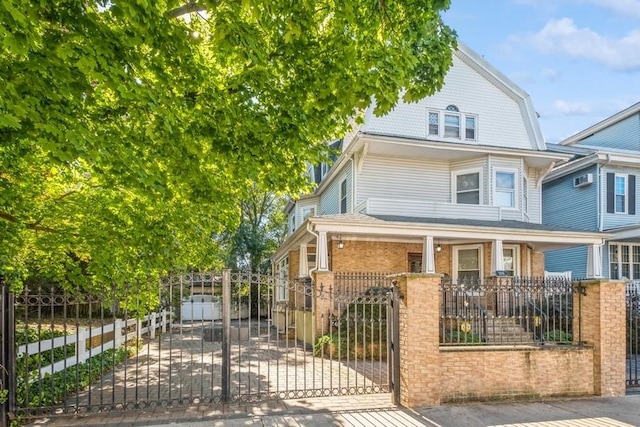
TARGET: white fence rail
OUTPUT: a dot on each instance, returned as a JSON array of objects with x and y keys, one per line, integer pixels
[{"x": 118, "y": 333}]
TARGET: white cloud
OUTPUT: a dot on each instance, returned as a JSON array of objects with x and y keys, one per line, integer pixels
[
  {"x": 563, "y": 37},
  {"x": 622, "y": 7},
  {"x": 571, "y": 108}
]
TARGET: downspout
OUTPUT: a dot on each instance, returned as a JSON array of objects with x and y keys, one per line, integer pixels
[{"x": 311, "y": 270}]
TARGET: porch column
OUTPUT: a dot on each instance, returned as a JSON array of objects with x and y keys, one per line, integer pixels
[
  {"x": 303, "y": 268},
  {"x": 428, "y": 258},
  {"x": 322, "y": 254},
  {"x": 497, "y": 257},
  {"x": 594, "y": 261}
]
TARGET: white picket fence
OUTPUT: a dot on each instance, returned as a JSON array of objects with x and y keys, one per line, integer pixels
[{"x": 120, "y": 331}]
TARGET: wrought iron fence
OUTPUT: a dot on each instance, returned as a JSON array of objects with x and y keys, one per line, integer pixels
[{"x": 506, "y": 310}]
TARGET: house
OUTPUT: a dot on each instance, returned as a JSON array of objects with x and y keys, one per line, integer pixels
[
  {"x": 449, "y": 185},
  {"x": 597, "y": 191}
]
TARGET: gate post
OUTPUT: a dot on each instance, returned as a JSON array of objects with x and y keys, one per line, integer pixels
[
  {"x": 226, "y": 335},
  {"x": 7, "y": 353},
  {"x": 419, "y": 306},
  {"x": 393, "y": 349}
]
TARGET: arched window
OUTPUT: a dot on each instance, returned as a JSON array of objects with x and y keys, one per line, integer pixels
[{"x": 452, "y": 108}]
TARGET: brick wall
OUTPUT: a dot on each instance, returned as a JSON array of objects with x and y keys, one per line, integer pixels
[
  {"x": 470, "y": 374},
  {"x": 393, "y": 257},
  {"x": 431, "y": 374}
]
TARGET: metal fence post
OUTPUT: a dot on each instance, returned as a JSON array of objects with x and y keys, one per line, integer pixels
[
  {"x": 393, "y": 334},
  {"x": 7, "y": 353},
  {"x": 226, "y": 335}
]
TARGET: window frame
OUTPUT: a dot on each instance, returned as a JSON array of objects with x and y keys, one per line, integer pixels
[
  {"x": 441, "y": 125},
  {"x": 455, "y": 259},
  {"x": 625, "y": 196},
  {"x": 282, "y": 277},
  {"x": 516, "y": 190},
  {"x": 516, "y": 258},
  {"x": 343, "y": 208},
  {"x": 454, "y": 185},
  {"x": 620, "y": 264}
]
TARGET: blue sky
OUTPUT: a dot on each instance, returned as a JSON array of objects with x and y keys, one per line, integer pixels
[{"x": 578, "y": 59}]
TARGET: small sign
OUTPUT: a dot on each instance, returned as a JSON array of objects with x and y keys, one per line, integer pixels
[
  {"x": 465, "y": 327},
  {"x": 537, "y": 321}
]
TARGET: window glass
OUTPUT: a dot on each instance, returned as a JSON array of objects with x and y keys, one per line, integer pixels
[
  {"x": 451, "y": 126},
  {"x": 434, "y": 119},
  {"x": 621, "y": 184},
  {"x": 415, "y": 263},
  {"x": 343, "y": 196},
  {"x": 613, "y": 262},
  {"x": 509, "y": 261},
  {"x": 468, "y": 263},
  {"x": 468, "y": 188},
  {"x": 505, "y": 189},
  {"x": 470, "y": 128}
]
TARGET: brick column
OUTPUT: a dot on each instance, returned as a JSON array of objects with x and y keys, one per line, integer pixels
[
  {"x": 419, "y": 339},
  {"x": 603, "y": 326},
  {"x": 322, "y": 301}
]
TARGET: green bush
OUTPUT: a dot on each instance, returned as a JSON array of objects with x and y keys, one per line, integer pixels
[
  {"x": 459, "y": 337},
  {"x": 559, "y": 336}
]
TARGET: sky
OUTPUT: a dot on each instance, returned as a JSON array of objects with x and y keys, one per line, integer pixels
[{"x": 578, "y": 59}]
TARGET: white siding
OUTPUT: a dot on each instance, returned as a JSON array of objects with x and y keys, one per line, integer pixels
[
  {"x": 402, "y": 178},
  {"x": 330, "y": 198},
  {"x": 500, "y": 117},
  {"x": 535, "y": 196}
]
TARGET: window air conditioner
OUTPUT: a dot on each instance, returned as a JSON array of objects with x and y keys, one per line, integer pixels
[{"x": 582, "y": 180}]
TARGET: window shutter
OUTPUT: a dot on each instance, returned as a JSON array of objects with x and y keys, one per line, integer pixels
[
  {"x": 611, "y": 188},
  {"x": 632, "y": 194}
]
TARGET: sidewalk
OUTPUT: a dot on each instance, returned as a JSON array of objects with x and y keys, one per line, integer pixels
[{"x": 376, "y": 410}]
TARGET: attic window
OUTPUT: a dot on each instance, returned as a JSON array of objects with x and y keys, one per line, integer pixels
[{"x": 450, "y": 124}]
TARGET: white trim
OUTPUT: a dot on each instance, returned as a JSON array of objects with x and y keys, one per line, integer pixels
[
  {"x": 467, "y": 171},
  {"x": 462, "y": 126},
  {"x": 454, "y": 265},
  {"x": 516, "y": 185}
]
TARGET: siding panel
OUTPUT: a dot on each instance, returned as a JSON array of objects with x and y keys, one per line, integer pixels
[
  {"x": 570, "y": 259},
  {"x": 500, "y": 119},
  {"x": 402, "y": 178},
  {"x": 622, "y": 135},
  {"x": 613, "y": 220},
  {"x": 567, "y": 206}
]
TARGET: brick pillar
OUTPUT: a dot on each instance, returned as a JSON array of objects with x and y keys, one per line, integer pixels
[
  {"x": 322, "y": 301},
  {"x": 419, "y": 339},
  {"x": 603, "y": 326}
]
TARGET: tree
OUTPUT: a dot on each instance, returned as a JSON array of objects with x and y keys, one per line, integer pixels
[
  {"x": 262, "y": 229},
  {"x": 127, "y": 134}
]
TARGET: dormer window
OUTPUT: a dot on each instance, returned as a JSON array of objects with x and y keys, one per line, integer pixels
[{"x": 448, "y": 124}]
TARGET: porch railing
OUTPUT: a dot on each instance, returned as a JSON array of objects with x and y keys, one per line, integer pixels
[{"x": 506, "y": 310}]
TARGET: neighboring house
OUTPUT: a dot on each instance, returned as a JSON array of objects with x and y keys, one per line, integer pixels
[
  {"x": 451, "y": 185},
  {"x": 597, "y": 190}
]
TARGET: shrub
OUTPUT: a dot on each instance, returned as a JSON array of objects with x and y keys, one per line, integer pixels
[
  {"x": 459, "y": 337},
  {"x": 559, "y": 336}
]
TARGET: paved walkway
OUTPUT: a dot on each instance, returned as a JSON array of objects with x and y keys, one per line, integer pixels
[{"x": 376, "y": 410}]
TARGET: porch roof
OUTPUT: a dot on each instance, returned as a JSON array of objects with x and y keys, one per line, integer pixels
[{"x": 453, "y": 231}]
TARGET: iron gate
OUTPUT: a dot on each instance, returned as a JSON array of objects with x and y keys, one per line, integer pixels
[
  {"x": 633, "y": 335},
  {"x": 207, "y": 338}
]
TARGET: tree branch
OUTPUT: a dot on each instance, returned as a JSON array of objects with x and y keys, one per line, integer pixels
[
  {"x": 192, "y": 6},
  {"x": 30, "y": 226}
]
